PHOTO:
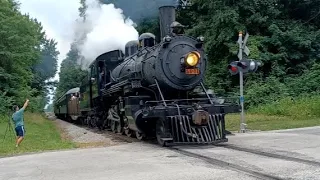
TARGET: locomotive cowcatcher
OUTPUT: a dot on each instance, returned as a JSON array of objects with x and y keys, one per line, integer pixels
[{"x": 152, "y": 90}]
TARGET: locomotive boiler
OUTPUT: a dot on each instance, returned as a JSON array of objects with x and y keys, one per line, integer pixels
[
  {"x": 155, "y": 89},
  {"x": 175, "y": 64}
]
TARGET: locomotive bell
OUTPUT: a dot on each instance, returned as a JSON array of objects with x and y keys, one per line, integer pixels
[{"x": 177, "y": 28}]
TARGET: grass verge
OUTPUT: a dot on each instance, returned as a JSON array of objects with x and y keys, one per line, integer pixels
[
  {"x": 262, "y": 122},
  {"x": 283, "y": 114},
  {"x": 41, "y": 135}
]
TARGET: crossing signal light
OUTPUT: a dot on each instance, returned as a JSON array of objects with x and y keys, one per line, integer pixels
[
  {"x": 233, "y": 68},
  {"x": 248, "y": 65},
  {"x": 254, "y": 65},
  {"x": 245, "y": 66}
]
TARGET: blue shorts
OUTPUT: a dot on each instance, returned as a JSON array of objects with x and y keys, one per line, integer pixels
[{"x": 20, "y": 131}]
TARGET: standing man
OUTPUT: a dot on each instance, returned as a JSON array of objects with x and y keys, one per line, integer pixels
[{"x": 18, "y": 121}]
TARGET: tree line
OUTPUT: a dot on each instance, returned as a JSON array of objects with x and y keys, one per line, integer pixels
[{"x": 28, "y": 59}]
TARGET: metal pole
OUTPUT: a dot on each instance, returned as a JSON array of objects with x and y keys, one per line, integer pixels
[{"x": 242, "y": 123}]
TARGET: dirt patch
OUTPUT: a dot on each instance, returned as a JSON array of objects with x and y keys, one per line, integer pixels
[
  {"x": 82, "y": 137},
  {"x": 63, "y": 132}
]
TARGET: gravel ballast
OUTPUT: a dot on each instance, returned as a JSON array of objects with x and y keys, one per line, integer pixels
[{"x": 83, "y": 137}]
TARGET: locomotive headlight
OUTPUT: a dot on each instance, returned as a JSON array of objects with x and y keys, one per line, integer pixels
[{"x": 192, "y": 59}]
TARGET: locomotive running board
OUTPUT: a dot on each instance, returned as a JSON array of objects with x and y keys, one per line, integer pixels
[{"x": 183, "y": 132}]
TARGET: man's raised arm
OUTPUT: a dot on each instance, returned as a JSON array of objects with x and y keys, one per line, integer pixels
[{"x": 25, "y": 104}]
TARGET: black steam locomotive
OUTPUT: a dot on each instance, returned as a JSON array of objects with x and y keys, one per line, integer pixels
[{"x": 153, "y": 90}]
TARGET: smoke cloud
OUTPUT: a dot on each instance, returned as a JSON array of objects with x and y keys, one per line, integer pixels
[{"x": 105, "y": 29}]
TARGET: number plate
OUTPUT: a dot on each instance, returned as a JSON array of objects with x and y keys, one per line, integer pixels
[{"x": 192, "y": 71}]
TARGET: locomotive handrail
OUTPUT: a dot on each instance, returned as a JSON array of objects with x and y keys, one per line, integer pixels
[
  {"x": 180, "y": 100},
  {"x": 205, "y": 91}
]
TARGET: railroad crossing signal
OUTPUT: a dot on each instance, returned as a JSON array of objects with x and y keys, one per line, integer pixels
[
  {"x": 245, "y": 66},
  {"x": 242, "y": 66},
  {"x": 183, "y": 3}
]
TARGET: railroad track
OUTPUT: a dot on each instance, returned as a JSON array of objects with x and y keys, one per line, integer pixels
[
  {"x": 246, "y": 169},
  {"x": 227, "y": 165},
  {"x": 253, "y": 172},
  {"x": 271, "y": 155}
]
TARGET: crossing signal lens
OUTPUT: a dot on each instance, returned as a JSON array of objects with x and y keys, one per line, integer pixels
[{"x": 233, "y": 69}]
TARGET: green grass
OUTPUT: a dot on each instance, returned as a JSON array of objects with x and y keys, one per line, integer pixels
[
  {"x": 284, "y": 114},
  {"x": 268, "y": 122},
  {"x": 41, "y": 135}
]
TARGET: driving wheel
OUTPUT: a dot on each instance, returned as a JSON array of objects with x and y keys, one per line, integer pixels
[
  {"x": 128, "y": 132},
  {"x": 160, "y": 132},
  {"x": 139, "y": 135},
  {"x": 113, "y": 127}
]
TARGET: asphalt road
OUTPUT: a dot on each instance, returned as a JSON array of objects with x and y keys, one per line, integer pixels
[{"x": 291, "y": 154}]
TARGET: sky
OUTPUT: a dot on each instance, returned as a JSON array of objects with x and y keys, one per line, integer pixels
[{"x": 57, "y": 18}]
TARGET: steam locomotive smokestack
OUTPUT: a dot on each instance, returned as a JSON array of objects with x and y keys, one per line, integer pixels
[{"x": 167, "y": 14}]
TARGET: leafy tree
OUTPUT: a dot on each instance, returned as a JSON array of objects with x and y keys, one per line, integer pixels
[
  {"x": 19, "y": 49},
  {"x": 71, "y": 74},
  {"x": 150, "y": 25},
  {"x": 25, "y": 53},
  {"x": 82, "y": 9},
  {"x": 139, "y": 9},
  {"x": 47, "y": 67}
]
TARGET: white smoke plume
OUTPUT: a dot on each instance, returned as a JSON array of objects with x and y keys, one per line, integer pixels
[{"x": 105, "y": 29}]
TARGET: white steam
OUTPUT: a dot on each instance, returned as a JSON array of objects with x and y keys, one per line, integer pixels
[{"x": 105, "y": 29}]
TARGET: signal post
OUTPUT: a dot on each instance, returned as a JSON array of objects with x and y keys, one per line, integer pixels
[{"x": 241, "y": 67}]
